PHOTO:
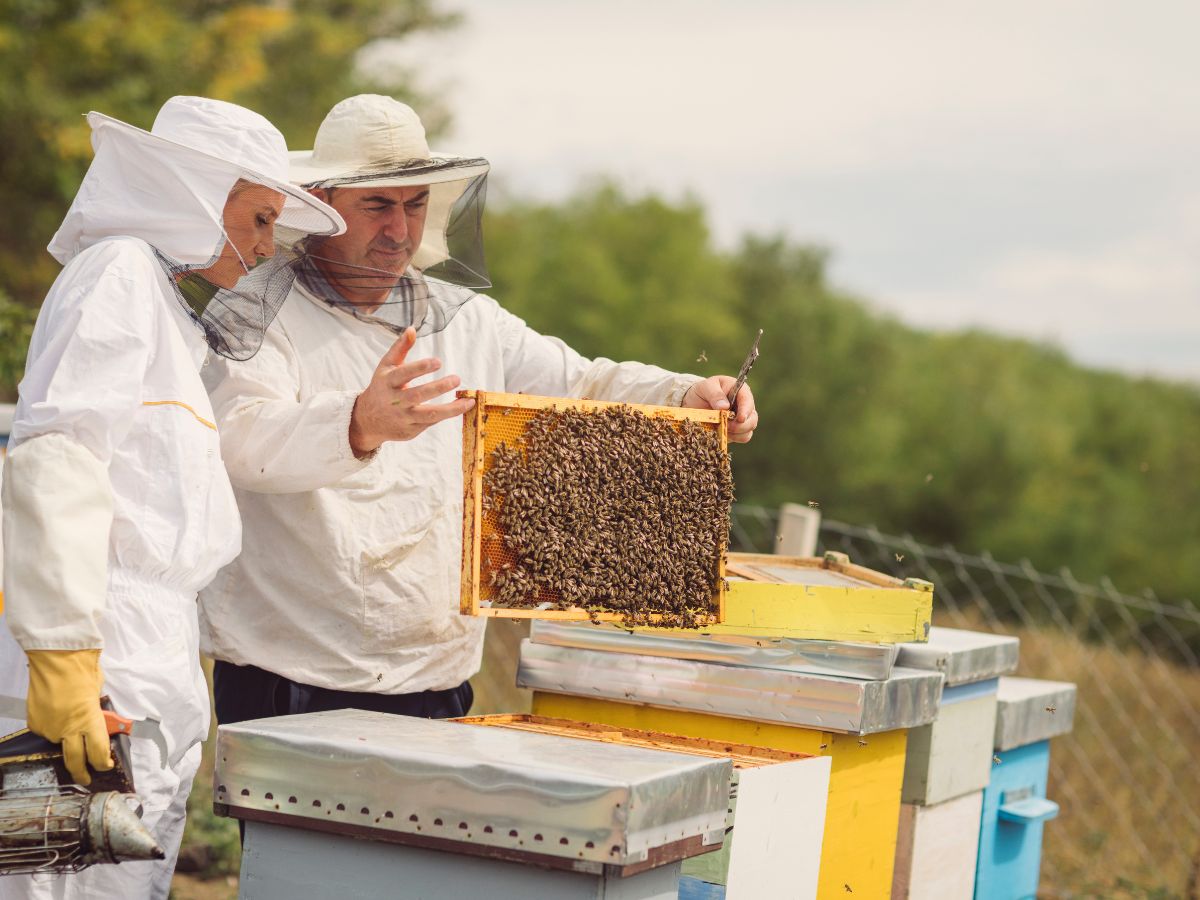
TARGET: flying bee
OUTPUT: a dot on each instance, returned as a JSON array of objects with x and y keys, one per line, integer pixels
[
  {"x": 899, "y": 557},
  {"x": 1051, "y": 710},
  {"x": 996, "y": 760}
]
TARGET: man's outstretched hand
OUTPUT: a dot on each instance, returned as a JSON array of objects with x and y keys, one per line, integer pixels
[
  {"x": 390, "y": 410},
  {"x": 711, "y": 393}
]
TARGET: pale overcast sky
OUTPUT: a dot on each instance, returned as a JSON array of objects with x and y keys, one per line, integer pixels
[{"x": 1029, "y": 166}]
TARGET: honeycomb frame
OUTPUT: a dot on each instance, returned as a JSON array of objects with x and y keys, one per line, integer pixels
[{"x": 501, "y": 417}]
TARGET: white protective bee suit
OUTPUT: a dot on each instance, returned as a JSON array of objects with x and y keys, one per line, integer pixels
[
  {"x": 350, "y": 577},
  {"x": 117, "y": 507}
]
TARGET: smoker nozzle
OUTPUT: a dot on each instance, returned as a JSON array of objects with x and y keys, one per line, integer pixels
[{"x": 116, "y": 833}]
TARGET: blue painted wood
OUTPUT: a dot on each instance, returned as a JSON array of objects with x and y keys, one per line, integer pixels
[
  {"x": 955, "y": 693},
  {"x": 1010, "y": 852},
  {"x": 1031, "y": 809},
  {"x": 694, "y": 889}
]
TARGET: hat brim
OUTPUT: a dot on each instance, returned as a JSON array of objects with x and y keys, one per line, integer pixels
[
  {"x": 442, "y": 168},
  {"x": 294, "y": 196}
]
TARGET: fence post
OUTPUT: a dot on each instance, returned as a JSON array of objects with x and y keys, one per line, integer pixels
[{"x": 797, "y": 531}]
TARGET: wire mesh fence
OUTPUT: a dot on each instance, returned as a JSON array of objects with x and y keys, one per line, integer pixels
[{"x": 1128, "y": 777}]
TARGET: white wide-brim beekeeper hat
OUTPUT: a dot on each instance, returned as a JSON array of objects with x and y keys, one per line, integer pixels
[
  {"x": 375, "y": 141},
  {"x": 168, "y": 186}
]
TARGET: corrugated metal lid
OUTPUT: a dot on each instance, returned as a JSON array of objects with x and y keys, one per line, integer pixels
[
  {"x": 471, "y": 784},
  {"x": 1031, "y": 710},
  {"x": 963, "y": 656}
]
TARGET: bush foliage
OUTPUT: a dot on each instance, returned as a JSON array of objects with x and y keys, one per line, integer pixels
[{"x": 968, "y": 438}]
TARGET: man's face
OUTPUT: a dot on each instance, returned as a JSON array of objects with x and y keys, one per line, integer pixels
[{"x": 383, "y": 231}]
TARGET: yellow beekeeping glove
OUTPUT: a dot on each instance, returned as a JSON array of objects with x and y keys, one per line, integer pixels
[{"x": 63, "y": 706}]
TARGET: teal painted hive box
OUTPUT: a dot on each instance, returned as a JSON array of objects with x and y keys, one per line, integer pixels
[{"x": 1015, "y": 806}]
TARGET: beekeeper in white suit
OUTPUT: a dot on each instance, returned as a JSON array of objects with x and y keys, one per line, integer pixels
[
  {"x": 117, "y": 508},
  {"x": 347, "y": 471}
]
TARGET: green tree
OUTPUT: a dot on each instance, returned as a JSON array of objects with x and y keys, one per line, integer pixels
[
  {"x": 289, "y": 59},
  {"x": 16, "y": 327},
  {"x": 969, "y": 438}
]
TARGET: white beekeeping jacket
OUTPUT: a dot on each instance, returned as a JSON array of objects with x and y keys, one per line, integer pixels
[
  {"x": 350, "y": 574},
  {"x": 114, "y": 469}
]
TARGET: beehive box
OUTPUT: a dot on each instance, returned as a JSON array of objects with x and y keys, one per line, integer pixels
[
  {"x": 858, "y": 849},
  {"x": 776, "y": 708},
  {"x": 952, "y": 756},
  {"x": 776, "y": 814},
  {"x": 498, "y": 419},
  {"x": 936, "y": 850},
  {"x": 825, "y": 598},
  {"x": 1015, "y": 807}
]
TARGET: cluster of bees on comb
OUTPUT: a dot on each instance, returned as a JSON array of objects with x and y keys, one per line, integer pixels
[{"x": 612, "y": 511}]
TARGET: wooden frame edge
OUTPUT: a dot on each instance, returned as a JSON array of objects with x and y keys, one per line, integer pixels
[{"x": 472, "y": 504}]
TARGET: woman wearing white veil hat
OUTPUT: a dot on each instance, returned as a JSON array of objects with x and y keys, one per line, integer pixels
[{"x": 117, "y": 508}]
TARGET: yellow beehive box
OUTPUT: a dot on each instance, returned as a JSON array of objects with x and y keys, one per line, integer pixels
[
  {"x": 863, "y": 809},
  {"x": 826, "y": 598},
  {"x": 499, "y": 418}
]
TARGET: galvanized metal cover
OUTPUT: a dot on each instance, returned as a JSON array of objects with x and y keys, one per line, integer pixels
[
  {"x": 1031, "y": 710},
  {"x": 538, "y": 793},
  {"x": 829, "y": 703},
  {"x": 869, "y": 662},
  {"x": 963, "y": 656}
]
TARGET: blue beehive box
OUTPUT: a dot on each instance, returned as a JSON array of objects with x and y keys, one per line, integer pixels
[{"x": 1015, "y": 806}]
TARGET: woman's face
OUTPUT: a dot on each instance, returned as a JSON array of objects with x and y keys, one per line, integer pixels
[{"x": 249, "y": 217}]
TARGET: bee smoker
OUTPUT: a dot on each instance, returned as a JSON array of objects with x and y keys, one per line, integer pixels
[{"x": 49, "y": 824}]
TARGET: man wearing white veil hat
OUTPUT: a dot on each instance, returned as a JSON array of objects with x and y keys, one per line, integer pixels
[
  {"x": 348, "y": 476},
  {"x": 117, "y": 508}
]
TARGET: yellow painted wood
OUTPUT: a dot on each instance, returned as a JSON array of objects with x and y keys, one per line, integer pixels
[
  {"x": 498, "y": 399},
  {"x": 877, "y": 615},
  {"x": 827, "y": 612},
  {"x": 863, "y": 814}
]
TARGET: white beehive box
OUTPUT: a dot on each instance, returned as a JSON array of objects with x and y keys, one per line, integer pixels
[
  {"x": 936, "y": 850},
  {"x": 952, "y": 756}
]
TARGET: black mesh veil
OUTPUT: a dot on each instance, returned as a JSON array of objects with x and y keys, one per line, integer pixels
[
  {"x": 234, "y": 296},
  {"x": 235, "y": 320},
  {"x": 446, "y": 269}
]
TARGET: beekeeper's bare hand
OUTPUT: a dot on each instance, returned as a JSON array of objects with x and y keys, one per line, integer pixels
[
  {"x": 711, "y": 393},
  {"x": 390, "y": 409}
]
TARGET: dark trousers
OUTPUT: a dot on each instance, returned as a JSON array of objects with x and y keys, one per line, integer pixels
[{"x": 248, "y": 692}]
